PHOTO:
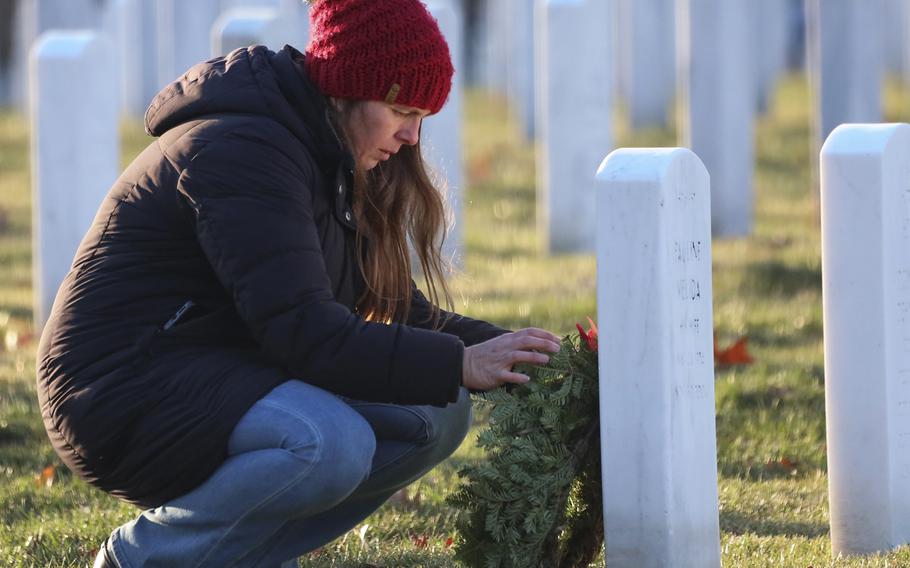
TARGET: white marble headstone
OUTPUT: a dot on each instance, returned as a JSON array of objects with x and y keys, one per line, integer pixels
[
  {"x": 574, "y": 118},
  {"x": 654, "y": 315},
  {"x": 442, "y": 133},
  {"x": 521, "y": 63},
  {"x": 33, "y": 18},
  {"x": 183, "y": 35},
  {"x": 717, "y": 87},
  {"x": 845, "y": 46},
  {"x": 769, "y": 29},
  {"x": 648, "y": 61},
  {"x": 75, "y": 149},
  {"x": 132, "y": 27},
  {"x": 495, "y": 46},
  {"x": 897, "y": 36},
  {"x": 242, "y": 27},
  {"x": 865, "y": 199}
]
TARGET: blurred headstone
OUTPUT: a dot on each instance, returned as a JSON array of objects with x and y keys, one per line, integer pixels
[
  {"x": 242, "y": 27},
  {"x": 183, "y": 35},
  {"x": 573, "y": 116},
  {"x": 647, "y": 60},
  {"x": 442, "y": 133},
  {"x": 270, "y": 23},
  {"x": 75, "y": 149},
  {"x": 132, "y": 25},
  {"x": 718, "y": 104},
  {"x": 846, "y": 63},
  {"x": 521, "y": 62},
  {"x": 897, "y": 42},
  {"x": 496, "y": 46},
  {"x": 865, "y": 198},
  {"x": 656, "y": 364},
  {"x": 33, "y": 18},
  {"x": 769, "y": 35}
]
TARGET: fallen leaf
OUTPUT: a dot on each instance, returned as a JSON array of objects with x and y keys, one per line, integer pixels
[
  {"x": 736, "y": 354},
  {"x": 449, "y": 542},
  {"x": 45, "y": 478},
  {"x": 421, "y": 541},
  {"x": 783, "y": 464}
]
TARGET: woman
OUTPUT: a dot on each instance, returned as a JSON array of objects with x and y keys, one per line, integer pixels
[{"x": 239, "y": 348}]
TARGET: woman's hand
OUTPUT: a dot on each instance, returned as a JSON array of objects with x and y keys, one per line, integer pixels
[{"x": 488, "y": 365}]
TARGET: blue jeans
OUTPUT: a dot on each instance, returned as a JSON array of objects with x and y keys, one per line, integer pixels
[{"x": 304, "y": 467}]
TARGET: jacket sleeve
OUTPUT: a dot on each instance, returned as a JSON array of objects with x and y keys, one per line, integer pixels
[
  {"x": 470, "y": 331},
  {"x": 252, "y": 193}
]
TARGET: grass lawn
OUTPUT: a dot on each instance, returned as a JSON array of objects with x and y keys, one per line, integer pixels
[{"x": 770, "y": 415}]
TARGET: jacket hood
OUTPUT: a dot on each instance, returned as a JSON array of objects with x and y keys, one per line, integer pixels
[{"x": 251, "y": 80}]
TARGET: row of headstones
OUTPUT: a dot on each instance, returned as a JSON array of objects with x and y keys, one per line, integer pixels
[
  {"x": 641, "y": 52},
  {"x": 76, "y": 147},
  {"x": 644, "y": 46},
  {"x": 154, "y": 40},
  {"x": 573, "y": 86},
  {"x": 716, "y": 88},
  {"x": 654, "y": 305}
]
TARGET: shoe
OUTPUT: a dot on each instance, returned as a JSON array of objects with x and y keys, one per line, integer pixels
[{"x": 104, "y": 559}]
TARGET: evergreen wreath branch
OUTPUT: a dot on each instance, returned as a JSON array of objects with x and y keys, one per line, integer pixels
[{"x": 535, "y": 500}]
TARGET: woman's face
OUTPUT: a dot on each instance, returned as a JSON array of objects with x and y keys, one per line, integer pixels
[{"x": 377, "y": 130}]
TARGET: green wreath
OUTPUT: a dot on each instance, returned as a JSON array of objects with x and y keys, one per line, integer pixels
[{"x": 536, "y": 499}]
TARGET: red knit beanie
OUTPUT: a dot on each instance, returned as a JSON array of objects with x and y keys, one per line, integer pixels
[{"x": 384, "y": 50}]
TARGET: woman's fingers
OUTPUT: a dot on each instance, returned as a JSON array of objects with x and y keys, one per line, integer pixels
[
  {"x": 528, "y": 357},
  {"x": 490, "y": 363},
  {"x": 537, "y": 343},
  {"x": 517, "y": 378},
  {"x": 540, "y": 333},
  {"x": 533, "y": 338}
]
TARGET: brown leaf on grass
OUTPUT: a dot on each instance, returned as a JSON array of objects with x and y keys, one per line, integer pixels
[
  {"x": 736, "y": 354},
  {"x": 784, "y": 464},
  {"x": 421, "y": 541},
  {"x": 45, "y": 478}
]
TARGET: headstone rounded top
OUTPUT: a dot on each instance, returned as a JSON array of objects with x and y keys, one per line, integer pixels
[
  {"x": 864, "y": 138},
  {"x": 64, "y": 44},
  {"x": 643, "y": 164}
]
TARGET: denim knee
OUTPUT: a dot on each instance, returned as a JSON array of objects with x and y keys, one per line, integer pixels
[
  {"x": 450, "y": 425},
  {"x": 347, "y": 457},
  {"x": 323, "y": 448},
  {"x": 343, "y": 462}
]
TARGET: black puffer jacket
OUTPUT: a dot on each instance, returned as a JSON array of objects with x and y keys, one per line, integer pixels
[{"x": 222, "y": 263}]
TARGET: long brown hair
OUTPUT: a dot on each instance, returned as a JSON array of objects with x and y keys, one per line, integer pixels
[{"x": 398, "y": 208}]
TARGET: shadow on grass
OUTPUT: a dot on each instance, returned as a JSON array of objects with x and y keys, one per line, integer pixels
[
  {"x": 752, "y": 471},
  {"x": 770, "y": 335},
  {"x": 734, "y": 522},
  {"x": 778, "y": 397},
  {"x": 777, "y": 278}
]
